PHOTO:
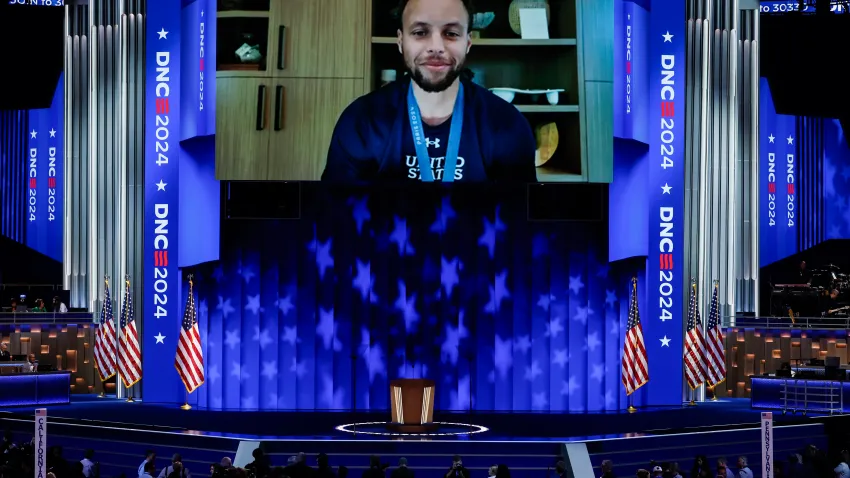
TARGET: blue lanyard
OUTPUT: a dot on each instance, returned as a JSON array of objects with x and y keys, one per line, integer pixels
[{"x": 419, "y": 140}]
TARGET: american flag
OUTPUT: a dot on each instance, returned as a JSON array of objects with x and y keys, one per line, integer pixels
[
  {"x": 105, "y": 339},
  {"x": 694, "y": 344},
  {"x": 635, "y": 370},
  {"x": 129, "y": 355},
  {"x": 189, "y": 359},
  {"x": 716, "y": 356}
]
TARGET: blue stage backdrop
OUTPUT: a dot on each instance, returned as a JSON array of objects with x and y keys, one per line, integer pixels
[
  {"x": 197, "y": 83},
  {"x": 836, "y": 180},
  {"x": 31, "y": 176},
  {"x": 778, "y": 224},
  {"x": 161, "y": 306},
  {"x": 200, "y": 192},
  {"x": 14, "y": 131},
  {"x": 455, "y": 286},
  {"x": 45, "y": 168},
  {"x": 631, "y": 71},
  {"x": 627, "y": 201},
  {"x": 805, "y": 181}
]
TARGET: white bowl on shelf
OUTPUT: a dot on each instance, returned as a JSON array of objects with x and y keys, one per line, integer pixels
[{"x": 508, "y": 94}]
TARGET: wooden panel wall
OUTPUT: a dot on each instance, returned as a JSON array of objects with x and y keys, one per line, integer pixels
[
  {"x": 67, "y": 347},
  {"x": 596, "y": 88},
  {"x": 754, "y": 352}
]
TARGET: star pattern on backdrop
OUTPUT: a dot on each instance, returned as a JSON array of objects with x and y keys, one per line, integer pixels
[{"x": 413, "y": 288}]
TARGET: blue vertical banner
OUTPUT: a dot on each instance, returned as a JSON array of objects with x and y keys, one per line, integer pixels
[
  {"x": 631, "y": 75},
  {"x": 197, "y": 79},
  {"x": 45, "y": 171},
  {"x": 778, "y": 195},
  {"x": 161, "y": 314},
  {"x": 664, "y": 326}
]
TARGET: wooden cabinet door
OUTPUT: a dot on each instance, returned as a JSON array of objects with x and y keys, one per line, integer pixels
[
  {"x": 303, "y": 120},
  {"x": 242, "y": 128},
  {"x": 320, "y": 38}
]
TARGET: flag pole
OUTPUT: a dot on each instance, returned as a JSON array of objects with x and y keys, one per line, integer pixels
[
  {"x": 693, "y": 391},
  {"x": 102, "y": 393},
  {"x": 186, "y": 405},
  {"x": 130, "y": 388},
  {"x": 630, "y": 396}
]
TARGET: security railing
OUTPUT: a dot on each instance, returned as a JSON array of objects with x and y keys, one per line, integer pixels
[
  {"x": 45, "y": 318},
  {"x": 786, "y": 322}
]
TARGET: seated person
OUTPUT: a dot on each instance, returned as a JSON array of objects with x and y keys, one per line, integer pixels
[
  {"x": 32, "y": 364},
  {"x": 39, "y": 306},
  {"x": 435, "y": 124},
  {"x": 5, "y": 356}
]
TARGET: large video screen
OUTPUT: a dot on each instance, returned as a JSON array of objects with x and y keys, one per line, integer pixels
[{"x": 397, "y": 91}]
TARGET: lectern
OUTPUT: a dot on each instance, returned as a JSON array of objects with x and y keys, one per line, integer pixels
[{"x": 412, "y": 408}]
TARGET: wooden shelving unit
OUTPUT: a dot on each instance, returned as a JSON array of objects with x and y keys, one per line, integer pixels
[{"x": 500, "y": 58}]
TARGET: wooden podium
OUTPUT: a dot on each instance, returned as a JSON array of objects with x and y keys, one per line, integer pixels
[{"x": 412, "y": 408}]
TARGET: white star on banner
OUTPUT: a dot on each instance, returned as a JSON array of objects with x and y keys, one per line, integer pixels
[
  {"x": 790, "y": 139},
  {"x": 668, "y": 38},
  {"x": 665, "y": 342},
  {"x": 162, "y": 34},
  {"x": 666, "y": 188},
  {"x": 771, "y": 138},
  {"x": 159, "y": 338},
  {"x": 33, "y": 134},
  {"x": 52, "y": 133},
  {"x": 160, "y": 186}
]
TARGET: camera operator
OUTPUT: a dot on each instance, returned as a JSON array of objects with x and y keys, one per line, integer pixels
[{"x": 457, "y": 470}]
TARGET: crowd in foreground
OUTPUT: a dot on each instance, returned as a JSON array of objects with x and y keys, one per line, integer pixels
[
  {"x": 16, "y": 461},
  {"x": 810, "y": 462}
]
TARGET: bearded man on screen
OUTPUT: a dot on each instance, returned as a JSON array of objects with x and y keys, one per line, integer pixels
[{"x": 434, "y": 124}]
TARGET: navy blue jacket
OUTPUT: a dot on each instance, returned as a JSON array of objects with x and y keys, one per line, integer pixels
[{"x": 369, "y": 138}]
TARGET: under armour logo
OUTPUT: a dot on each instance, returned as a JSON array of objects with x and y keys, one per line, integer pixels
[{"x": 435, "y": 143}]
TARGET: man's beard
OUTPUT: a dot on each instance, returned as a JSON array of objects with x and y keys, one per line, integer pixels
[{"x": 438, "y": 86}]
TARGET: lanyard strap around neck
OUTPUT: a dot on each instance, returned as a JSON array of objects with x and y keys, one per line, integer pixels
[{"x": 420, "y": 142}]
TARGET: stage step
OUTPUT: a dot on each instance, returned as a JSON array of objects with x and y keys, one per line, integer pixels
[{"x": 631, "y": 454}]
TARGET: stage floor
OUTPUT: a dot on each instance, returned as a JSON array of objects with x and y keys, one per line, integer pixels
[{"x": 319, "y": 425}]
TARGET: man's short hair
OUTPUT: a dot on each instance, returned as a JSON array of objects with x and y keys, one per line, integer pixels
[
  {"x": 177, "y": 457},
  {"x": 402, "y": 4},
  {"x": 402, "y": 461}
]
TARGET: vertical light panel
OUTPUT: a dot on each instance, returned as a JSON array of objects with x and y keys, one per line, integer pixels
[{"x": 722, "y": 156}]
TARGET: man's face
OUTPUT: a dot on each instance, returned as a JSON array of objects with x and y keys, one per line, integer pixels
[
  {"x": 32, "y": 357},
  {"x": 3, "y": 346},
  {"x": 434, "y": 42}
]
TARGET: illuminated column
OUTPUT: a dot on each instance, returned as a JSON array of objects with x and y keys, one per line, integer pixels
[
  {"x": 722, "y": 156},
  {"x": 104, "y": 92}
]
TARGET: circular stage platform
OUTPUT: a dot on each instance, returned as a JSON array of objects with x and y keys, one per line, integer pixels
[{"x": 382, "y": 429}]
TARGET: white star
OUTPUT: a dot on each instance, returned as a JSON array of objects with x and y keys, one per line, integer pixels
[
  {"x": 666, "y": 188},
  {"x": 771, "y": 138},
  {"x": 560, "y": 357},
  {"x": 32, "y": 134},
  {"x": 790, "y": 139},
  {"x": 202, "y": 13},
  {"x": 160, "y": 186},
  {"x": 668, "y": 38},
  {"x": 52, "y": 133},
  {"x": 159, "y": 338},
  {"x": 598, "y": 372},
  {"x": 665, "y": 342},
  {"x": 162, "y": 34}
]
